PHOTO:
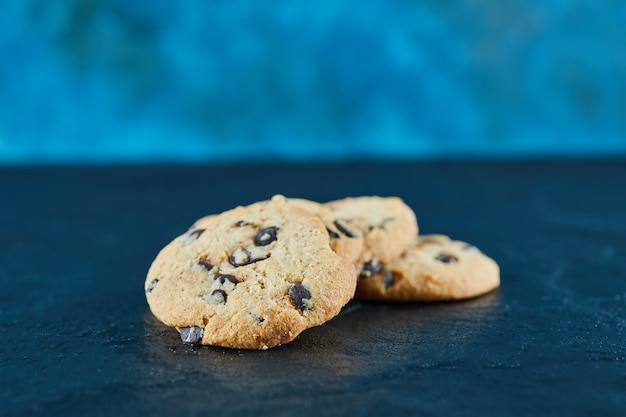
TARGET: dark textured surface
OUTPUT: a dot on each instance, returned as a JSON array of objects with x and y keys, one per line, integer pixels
[{"x": 77, "y": 338}]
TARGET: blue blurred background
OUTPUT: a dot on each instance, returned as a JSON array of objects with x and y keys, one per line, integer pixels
[{"x": 94, "y": 81}]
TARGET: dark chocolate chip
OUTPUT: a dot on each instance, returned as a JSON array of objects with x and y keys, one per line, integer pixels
[
  {"x": 446, "y": 259},
  {"x": 257, "y": 318},
  {"x": 299, "y": 294},
  {"x": 381, "y": 225},
  {"x": 343, "y": 229},
  {"x": 195, "y": 233},
  {"x": 333, "y": 234},
  {"x": 151, "y": 286},
  {"x": 241, "y": 223},
  {"x": 191, "y": 335},
  {"x": 266, "y": 236},
  {"x": 388, "y": 278},
  {"x": 370, "y": 268},
  {"x": 225, "y": 277},
  {"x": 205, "y": 264},
  {"x": 217, "y": 294},
  {"x": 243, "y": 256}
]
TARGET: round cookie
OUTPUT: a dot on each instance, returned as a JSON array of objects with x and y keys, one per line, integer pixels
[
  {"x": 252, "y": 277},
  {"x": 387, "y": 224},
  {"x": 346, "y": 242},
  {"x": 434, "y": 268}
]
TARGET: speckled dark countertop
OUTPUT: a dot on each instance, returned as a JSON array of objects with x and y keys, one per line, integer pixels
[{"x": 77, "y": 337}]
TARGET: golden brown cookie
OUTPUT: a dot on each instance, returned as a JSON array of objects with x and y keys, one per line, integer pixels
[
  {"x": 252, "y": 277},
  {"x": 387, "y": 224},
  {"x": 434, "y": 268}
]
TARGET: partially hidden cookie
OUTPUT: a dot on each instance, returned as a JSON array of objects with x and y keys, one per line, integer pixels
[
  {"x": 434, "y": 268},
  {"x": 387, "y": 224},
  {"x": 252, "y": 277}
]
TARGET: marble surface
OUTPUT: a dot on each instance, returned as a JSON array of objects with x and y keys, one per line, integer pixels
[{"x": 77, "y": 337}]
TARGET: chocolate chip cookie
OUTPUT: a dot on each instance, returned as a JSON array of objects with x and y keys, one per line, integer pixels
[
  {"x": 387, "y": 224},
  {"x": 252, "y": 277},
  {"x": 434, "y": 268}
]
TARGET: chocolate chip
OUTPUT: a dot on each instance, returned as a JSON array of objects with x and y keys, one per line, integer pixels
[
  {"x": 219, "y": 296},
  {"x": 151, "y": 286},
  {"x": 332, "y": 234},
  {"x": 299, "y": 294},
  {"x": 195, "y": 233},
  {"x": 216, "y": 297},
  {"x": 266, "y": 236},
  {"x": 370, "y": 268},
  {"x": 189, "y": 237},
  {"x": 343, "y": 229},
  {"x": 381, "y": 225},
  {"x": 191, "y": 335},
  {"x": 222, "y": 278},
  {"x": 244, "y": 256},
  {"x": 257, "y": 318},
  {"x": 205, "y": 264},
  {"x": 241, "y": 223},
  {"x": 446, "y": 259},
  {"x": 388, "y": 278}
]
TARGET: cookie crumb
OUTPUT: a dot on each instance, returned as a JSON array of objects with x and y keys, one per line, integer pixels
[{"x": 191, "y": 335}]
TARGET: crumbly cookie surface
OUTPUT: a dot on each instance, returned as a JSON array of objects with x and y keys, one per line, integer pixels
[
  {"x": 252, "y": 277},
  {"x": 434, "y": 268},
  {"x": 387, "y": 224}
]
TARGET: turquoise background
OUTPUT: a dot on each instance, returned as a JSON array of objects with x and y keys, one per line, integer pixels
[{"x": 88, "y": 81}]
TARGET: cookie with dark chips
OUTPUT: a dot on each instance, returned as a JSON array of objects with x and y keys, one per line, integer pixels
[
  {"x": 434, "y": 268},
  {"x": 387, "y": 225},
  {"x": 252, "y": 277}
]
